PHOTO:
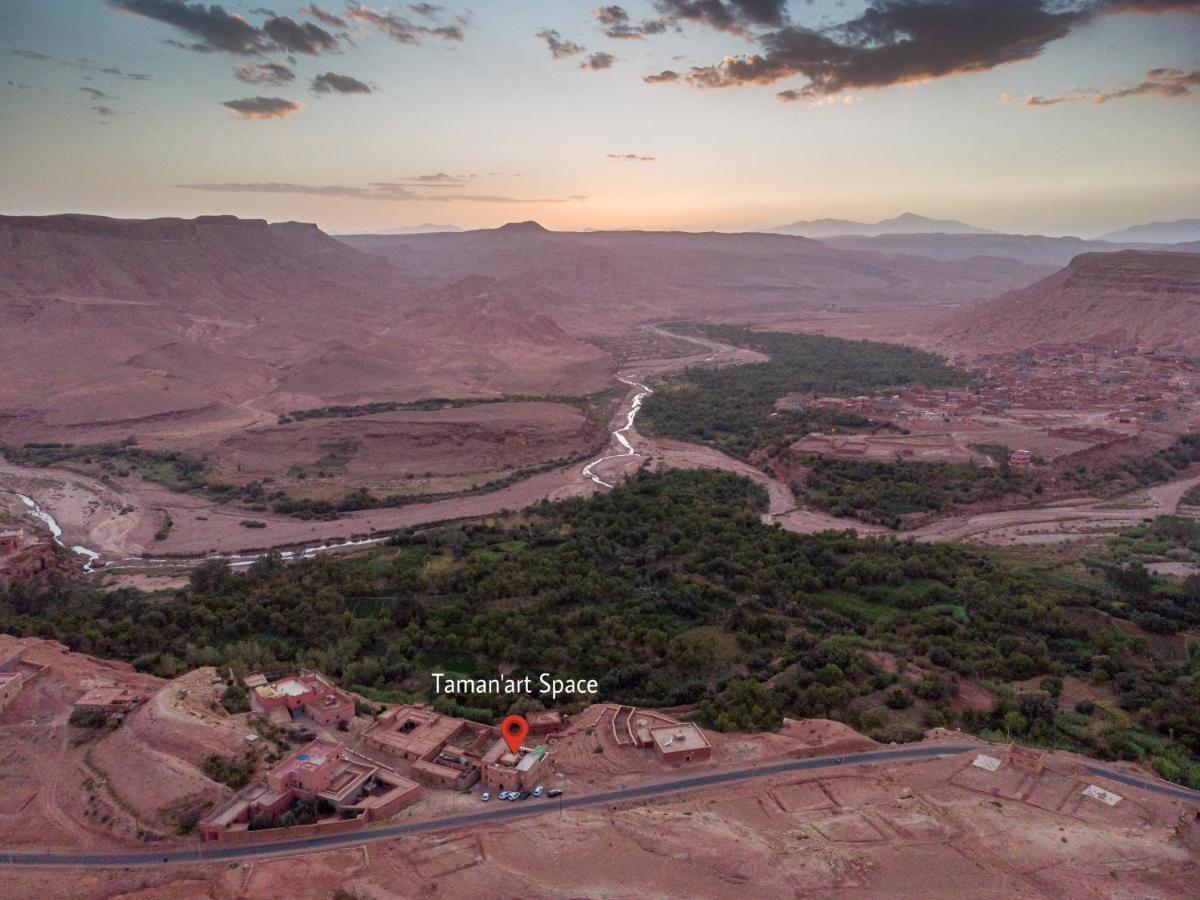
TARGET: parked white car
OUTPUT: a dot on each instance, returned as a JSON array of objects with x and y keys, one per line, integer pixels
[{"x": 486, "y": 797}]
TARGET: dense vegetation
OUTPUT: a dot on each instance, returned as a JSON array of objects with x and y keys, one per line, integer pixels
[
  {"x": 670, "y": 590},
  {"x": 589, "y": 404},
  {"x": 887, "y": 492},
  {"x": 731, "y": 408},
  {"x": 172, "y": 469},
  {"x": 1164, "y": 539}
]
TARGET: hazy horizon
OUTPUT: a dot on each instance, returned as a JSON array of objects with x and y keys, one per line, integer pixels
[{"x": 1027, "y": 116}]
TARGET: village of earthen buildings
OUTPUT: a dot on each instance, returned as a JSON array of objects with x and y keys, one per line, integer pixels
[{"x": 1043, "y": 405}]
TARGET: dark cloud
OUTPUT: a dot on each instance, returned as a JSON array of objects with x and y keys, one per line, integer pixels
[
  {"x": 892, "y": 41},
  {"x": 559, "y": 48},
  {"x": 333, "y": 83},
  {"x": 598, "y": 60},
  {"x": 211, "y": 27},
  {"x": 630, "y": 157},
  {"x": 263, "y": 107},
  {"x": 611, "y": 15},
  {"x": 95, "y": 94},
  {"x": 322, "y": 15},
  {"x": 276, "y": 73},
  {"x": 299, "y": 37},
  {"x": 382, "y": 191},
  {"x": 897, "y": 41},
  {"x": 132, "y": 76},
  {"x": 663, "y": 77},
  {"x": 401, "y": 29},
  {"x": 104, "y": 111},
  {"x": 429, "y": 10},
  {"x": 1164, "y": 84},
  {"x": 736, "y": 16},
  {"x": 33, "y": 54},
  {"x": 618, "y": 25},
  {"x": 19, "y": 85}
]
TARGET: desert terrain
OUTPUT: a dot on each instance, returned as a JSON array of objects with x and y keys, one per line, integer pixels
[{"x": 479, "y": 370}]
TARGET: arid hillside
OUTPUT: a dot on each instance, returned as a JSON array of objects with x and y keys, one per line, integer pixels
[
  {"x": 1117, "y": 300},
  {"x": 213, "y": 323}
]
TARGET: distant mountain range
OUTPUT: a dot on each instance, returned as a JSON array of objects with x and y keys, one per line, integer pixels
[
  {"x": 1031, "y": 249},
  {"x": 1177, "y": 232},
  {"x": 906, "y": 223},
  {"x": 423, "y": 228}
]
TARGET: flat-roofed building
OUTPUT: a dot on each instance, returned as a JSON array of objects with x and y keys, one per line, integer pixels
[
  {"x": 110, "y": 700},
  {"x": 316, "y": 771},
  {"x": 445, "y": 752},
  {"x": 520, "y": 771},
  {"x": 412, "y": 732},
  {"x": 682, "y": 743},
  {"x": 309, "y": 695}
]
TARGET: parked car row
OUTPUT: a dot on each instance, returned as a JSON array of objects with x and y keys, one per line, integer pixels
[{"x": 522, "y": 795}]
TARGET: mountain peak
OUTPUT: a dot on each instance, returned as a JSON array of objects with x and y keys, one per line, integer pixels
[{"x": 530, "y": 227}]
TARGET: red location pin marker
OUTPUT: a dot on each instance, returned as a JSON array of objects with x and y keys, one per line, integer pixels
[{"x": 514, "y": 729}]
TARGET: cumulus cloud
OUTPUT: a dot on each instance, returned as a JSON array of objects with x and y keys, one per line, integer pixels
[
  {"x": 276, "y": 73},
  {"x": 104, "y": 111},
  {"x": 664, "y": 77},
  {"x": 211, "y": 28},
  {"x": 263, "y": 107},
  {"x": 333, "y": 83},
  {"x": 1164, "y": 84},
  {"x": 380, "y": 190},
  {"x": 559, "y": 48},
  {"x": 598, "y": 60},
  {"x": 630, "y": 157},
  {"x": 299, "y": 37},
  {"x": 404, "y": 30}
]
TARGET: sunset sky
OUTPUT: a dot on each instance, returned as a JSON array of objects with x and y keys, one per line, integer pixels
[{"x": 1055, "y": 116}]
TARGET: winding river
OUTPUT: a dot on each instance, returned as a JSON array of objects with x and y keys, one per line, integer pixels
[
  {"x": 634, "y": 407},
  {"x": 56, "y": 530}
]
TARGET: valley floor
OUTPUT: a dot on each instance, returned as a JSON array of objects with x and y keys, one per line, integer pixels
[{"x": 121, "y": 525}]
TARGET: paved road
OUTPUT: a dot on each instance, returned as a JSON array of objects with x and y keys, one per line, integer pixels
[
  {"x": 500, "y": 811},
  {"x": 1155, "y": 787}
]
